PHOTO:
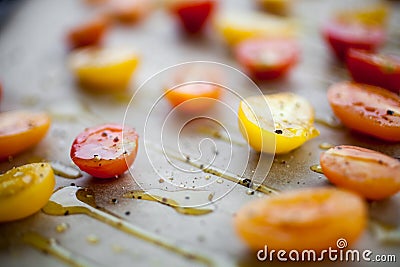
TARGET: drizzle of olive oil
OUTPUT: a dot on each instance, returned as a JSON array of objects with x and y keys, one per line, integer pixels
[
  {"x": 326, "y": 146},
  {"x": 216, "y": 134},
  {"x": 316, "y": 168},
  {"x": 73, "y": 200},
  {"x": 185, "y": 202},
  {"x": 220, "y": 173},
  {"x": 65, "y": 171},
  {"x": 51, "y": 247}
]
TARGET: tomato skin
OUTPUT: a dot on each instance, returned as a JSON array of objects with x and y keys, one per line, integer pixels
[
  {"x": 192, "y": 15},
  {"x": 266, "y": 59},
  {"x": 342, "y": 36},
  {"x": 90, "y": 33},
  {"x": 367, "y": 109},
  {"x": 25, "y": 190},
  {"x": 371, "y": 174},
  {"x": 193, "y": 98},
  {"x": 313, "y": 218},
  {"x": 375, "y": 69},
  {"x": 100, "y": 151},
  {"x": 21, "y": 130}
]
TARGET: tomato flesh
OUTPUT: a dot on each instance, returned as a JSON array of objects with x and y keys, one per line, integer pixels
[
  {"x": 193, "y": 15},
  {"x": 266, "y": 59},
  {"x": 368, "y": 109},
  {"x": 105, "y": 151},
  {"x": 375, "y": 69},
  {"x": 371, "y": 174},
  {"x": 343, "y": 36},
  {"x": 25, "y": 190}
]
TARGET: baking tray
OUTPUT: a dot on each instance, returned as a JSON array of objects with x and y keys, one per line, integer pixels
[{"x": 35, "y": 76}]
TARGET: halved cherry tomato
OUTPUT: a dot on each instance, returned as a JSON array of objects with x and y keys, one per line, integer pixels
[
  {"x": 21, "y": 130},
  {"x": 342, "y": 36},
  {"x": 192, "y": 15},
  {"x": 105, "y": 151},
  {"x": 265, "y": 59},
  {"x": 235, "y": 27},
  {"x": 129, "y": 11},
  {"x": 25, "y": 190},
  {"x": 104, "y": 69},
  {"x": 367, "y": 109},
  {"x": 197, "y": 96},
  {"x": 371, "y": 174},
  {"x": 303, "y": 219},
  {"x": 88, "y": 34},
  {"x": 279, "y": 7},
  {"x": 290, "y": 126},
  {"x": 375, "y": 69}
]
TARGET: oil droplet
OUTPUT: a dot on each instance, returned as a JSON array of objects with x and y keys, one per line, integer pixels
[
  {"x": 330, "y": 121},
  {"x": 220, "y": 181},
  {"x": 316, "y": 168},
  {"x": 161, "y": 180},
  {"x": 92, "y": 239},
  {"x": 187, "y": 202},
  {"x": 62, "y": 227},
  {"x": 51, "y": 247},
  {"x": 250, "y": 192},
  {"x": 326, "y": 146},
  {"x": 207, "y": 177},
  {"x": 117, "y": 248},
  {"x": 65, "y": 171}
]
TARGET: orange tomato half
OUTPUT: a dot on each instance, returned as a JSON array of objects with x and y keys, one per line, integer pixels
[
  {"x": 371, "y": 174},
  {"x": 21, "y": 130},
  {"x": 367, "y": 109}
]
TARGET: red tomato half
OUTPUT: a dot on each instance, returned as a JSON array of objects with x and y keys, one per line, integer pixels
[
  {"x": 342, "y": 36},
  {"x": 87, "y": 34},
  {"x": 192, "y": 15},
  {"x": 105, "y": 151},
  {"x": 368, "y": 109},
  {"x": 266, "y": 59},
  {"x": 375, "y": 69}
]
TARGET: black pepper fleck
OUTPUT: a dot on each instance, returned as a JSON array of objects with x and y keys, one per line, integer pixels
[
  {"x": 116, "y": 139},
  {"x": 127, "y": 213},
  {"x": 72, "y": 184},
  {"x": 114, "y": 200},
  {"x": 66, "y": 213},
  {"x": 390, "y": 112},
  {"x": 278, "y": 132}
]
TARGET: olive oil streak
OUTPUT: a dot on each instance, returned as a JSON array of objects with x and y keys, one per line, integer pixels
[
  {"x": 139, "y": 194},
  {"x": 218, "y": 172},
  {"x": 218, "y": 135},
  {"x": 316, "y": 168},
  {"x": 73, "y": 200},
  {"x": 50, "y": 246}
]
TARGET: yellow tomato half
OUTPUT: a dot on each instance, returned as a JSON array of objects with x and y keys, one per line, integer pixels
[
  {"x": 20, "y": 130},
  {"x": 289, "y": 124},
  {"x": 25, "y": 190},
  {"x": 237, "y": 27},
  {"x": 103, "y": 69}
]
